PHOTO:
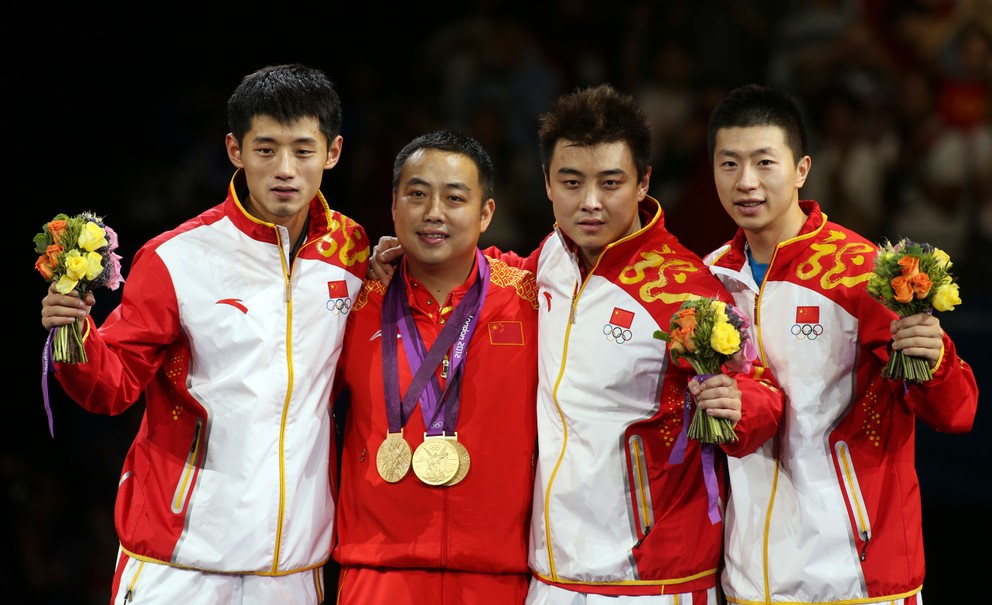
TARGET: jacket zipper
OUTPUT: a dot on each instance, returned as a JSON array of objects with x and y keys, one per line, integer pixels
[
  {"x": 186, "y": 478},
  {"x": 853, "y": 491},
  {"x": 642, "y": 495}
]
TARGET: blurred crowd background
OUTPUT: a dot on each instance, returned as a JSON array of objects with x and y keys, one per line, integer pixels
[{"x": 129, "y": 122}]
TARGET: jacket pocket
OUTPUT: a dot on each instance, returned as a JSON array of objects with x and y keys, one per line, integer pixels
[
  {"x": 852, "y": 491},
  {"x": 132, "y": 582},
  {"x": 185, "y": 484},
  {"x": 640, "y": 487}
]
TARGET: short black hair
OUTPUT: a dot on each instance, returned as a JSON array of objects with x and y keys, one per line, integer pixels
[
  {"x": 455, "y": 142},
  {"x": 595, "y": 115},
  {"x": 757, "y": 105},
  {"x": 286, "y": 93}
]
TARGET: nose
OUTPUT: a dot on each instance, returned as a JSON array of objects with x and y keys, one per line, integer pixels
[
  {"x": 748, "y": 178},
  {"x": 590, "y": 200},
  {"x": 284, "y": 164},
  {"x": 433, "y": 210}
]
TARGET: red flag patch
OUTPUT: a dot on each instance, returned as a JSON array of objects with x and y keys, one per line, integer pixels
[
  {"x": 506, "y": 333},
  {"x": 622, "y": 317},
  {"x": 337, "y": 289},
  {"x": 807, "y": 315}
]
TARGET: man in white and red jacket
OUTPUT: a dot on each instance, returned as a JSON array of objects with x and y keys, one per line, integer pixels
[
  {"x": 829, "y": 510},
  {"x": 229, "y": 331}
]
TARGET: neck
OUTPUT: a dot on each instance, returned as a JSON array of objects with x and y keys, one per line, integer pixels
[
  {"x": 441, "y": 279},
  {"x": 763, "y": 242}
]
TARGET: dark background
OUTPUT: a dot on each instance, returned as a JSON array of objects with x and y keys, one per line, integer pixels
[{"x": 124, "y": 115}]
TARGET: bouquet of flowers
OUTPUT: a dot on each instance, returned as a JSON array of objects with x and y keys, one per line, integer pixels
[
  {"x": 77, "y": 253},
  {"x": 911, "y": 278},
  {"x": 709, "y": 333}
]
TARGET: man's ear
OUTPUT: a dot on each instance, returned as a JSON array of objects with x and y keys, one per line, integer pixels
[
  {"x": 802, "y": 171},
  {"x": 334, "y": 152},
  {"x": 233, "y": 151},
  {"x": 488, "y": 208},
  {"x": 644, "y": 185}
]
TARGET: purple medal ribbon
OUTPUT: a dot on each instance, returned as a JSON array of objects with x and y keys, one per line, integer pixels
[
  {"x": 709, "y": 464},
  {"x": 425, "y": 385}
]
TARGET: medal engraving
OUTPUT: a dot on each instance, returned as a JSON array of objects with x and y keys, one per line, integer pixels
[
  {"x": 464, "y": 461},
  {"x": 393, "y": 458},
  {"x": 435, "y": 461}
]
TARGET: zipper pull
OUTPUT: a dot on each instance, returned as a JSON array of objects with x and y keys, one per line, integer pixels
[
  {"x": 864, "y": 549},
  {"x": 444, "y": 366},
  {"x": 647, "y": 530},
  {"x": 128, "y": 596},
  {"x": 571, "y": 309}
]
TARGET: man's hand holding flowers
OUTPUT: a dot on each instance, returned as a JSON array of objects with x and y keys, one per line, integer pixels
[
  {"x": 718, "y": 397},
  {"x": 913, "y": 280},
  {"x": 919, "y": 336}
]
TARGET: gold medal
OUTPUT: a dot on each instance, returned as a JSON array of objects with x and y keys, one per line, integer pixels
[
  {"x": 393, "y": 458},
  {"x": 435, "y": 461},
  {"x": 464, "y": 461}
]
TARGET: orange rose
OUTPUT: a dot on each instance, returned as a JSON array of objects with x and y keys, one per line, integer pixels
[
  {"x": 53, "y": 252},
  {"x": 910, "y": 266},
  {"x": 684, "y": 339},
  {"x": 902, "y": 290},
  {"x": 921, "y": 285},
  {"x": 44, "y": 266},
  {"x": 686, "y": 319},
  {"x": 57, "y": 229}
]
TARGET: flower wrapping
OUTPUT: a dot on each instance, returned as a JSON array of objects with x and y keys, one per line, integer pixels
[
  {"x": 77, "y": 253},
  {"x": 707, "y": 334},
  {"x": 909, "y": 278}
]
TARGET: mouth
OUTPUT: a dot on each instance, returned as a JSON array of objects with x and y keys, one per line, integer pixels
[
  {"x": 748, "y": 203},
  {"x": 283, "y": 192},
  {"x": 432, "y": 236},
  {"x": 590, "y": 225}
]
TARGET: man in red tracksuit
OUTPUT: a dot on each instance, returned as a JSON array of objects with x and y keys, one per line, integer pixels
[{"x": 441, "y": 372}]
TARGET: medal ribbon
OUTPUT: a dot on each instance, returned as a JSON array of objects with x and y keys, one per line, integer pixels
[{"x": 425, "y": 385}]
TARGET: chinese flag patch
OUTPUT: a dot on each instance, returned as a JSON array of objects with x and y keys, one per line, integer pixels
[
  {"x": 622, "y": 317},
  {"x": 506, "y": 333},
  {"x": 807, "y": 315},
  {"x": 337, "y": 289}
]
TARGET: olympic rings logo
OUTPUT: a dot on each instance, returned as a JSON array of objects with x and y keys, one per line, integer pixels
[
  {"x": 807, "y": 331},
  {"x": 617, "y": 334},
  {"x": 339, "y": 306}
]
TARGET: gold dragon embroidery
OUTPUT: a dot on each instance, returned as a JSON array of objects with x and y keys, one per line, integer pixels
[
  {"x": 655, "y": 262},
  {"x": 832, "y": 260}
]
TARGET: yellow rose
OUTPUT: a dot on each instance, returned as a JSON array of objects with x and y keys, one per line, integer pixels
[
  {"x": 92, "y": 237},
  {"x": 725, "y": 339},
  {"x": 719, "y": 311},
  {"x": 66, "y": 284},
  {"x": 94, "y": 265},
  {"x": 943, "y": 260},
  {"x": 946, "y": 297},
  {"x": 75, "y": 265}
]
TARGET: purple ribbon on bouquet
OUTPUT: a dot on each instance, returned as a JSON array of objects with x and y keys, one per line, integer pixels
[
  {"x": 708, "y": 454},
  {"x": 46, "y": 365}
]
